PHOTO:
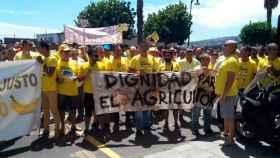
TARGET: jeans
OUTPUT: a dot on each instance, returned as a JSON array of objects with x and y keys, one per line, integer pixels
[
  {"x": 143, "y": 119},
  {"x": 206, "y": 118}
]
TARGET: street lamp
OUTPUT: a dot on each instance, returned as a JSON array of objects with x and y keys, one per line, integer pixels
[{"x": 191, "y": 5}]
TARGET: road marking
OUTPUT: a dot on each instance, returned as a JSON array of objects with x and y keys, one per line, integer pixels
[
  {"x": 102, "y": 147},
  {"x": 83, "y": 154}
]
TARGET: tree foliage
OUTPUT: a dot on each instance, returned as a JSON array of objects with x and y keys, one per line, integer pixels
[
  {"x": 257, "y": 33},
  {"x": 269, "y": 5},
  {"x": 107, "y": 13},
  {"x": 172, "y": 24}
]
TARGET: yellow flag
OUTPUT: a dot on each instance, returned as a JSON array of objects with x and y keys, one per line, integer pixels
[{"x": 154, "y": 37}]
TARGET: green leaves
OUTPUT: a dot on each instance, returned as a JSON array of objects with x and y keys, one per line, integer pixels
[
  {"x": 258, "y": 33},
  {"x": 107, "y": 13},
  {"x": 172, "y": 24}
]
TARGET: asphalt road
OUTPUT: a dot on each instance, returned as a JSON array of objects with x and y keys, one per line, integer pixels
[{"x": 124, "y": 144}]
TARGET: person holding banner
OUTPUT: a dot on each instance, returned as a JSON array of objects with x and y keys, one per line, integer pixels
[
  {"x": 118, "y": 64},
  {"x": 26, "y": 52},
  {"x": 49, "y": 88},
  {"x": 143, "y": 63},
  {"x": 86, "y": 70},
  {"x": 67, "y": 72},
  {"x": 204, "y": 96},
  {"x": 226, "y": 89},
  {"x": 171, "y": 66},
  {"x": 153, "y": 51},
  {"x": 132, "y": 52}
]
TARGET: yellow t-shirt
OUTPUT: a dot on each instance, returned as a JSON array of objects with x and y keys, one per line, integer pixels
[
  {"x": 49, "y": 82},
  {"x": 55, "y": 54},
  {"x": 230, "y": 64},
  {"x": 265, "y": 62},
  {"x": 106, "y": 62},
  {"x": 173, "y": 66},
  {"x": 211, "y": 66},
  {"x": 256, "y": 60},
  {"x": 118, "y": 65},
  {"x": 143, "y": 64},
  {"x": 247, "y": 70},
  {"x": 21, "y": 56},
  {"x": 261, "y": 58},
  {"x": 66, "y": 70},
  {"x": 269, "y": 78},
  {"x": 99, "y": 66}
]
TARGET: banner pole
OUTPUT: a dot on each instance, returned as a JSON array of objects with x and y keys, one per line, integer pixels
[{"x": 84, "y": 38}]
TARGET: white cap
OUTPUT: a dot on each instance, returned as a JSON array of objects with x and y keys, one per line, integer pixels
[
  {"x": 132, "y": 47},
  {"x": 230, "y": 42}
]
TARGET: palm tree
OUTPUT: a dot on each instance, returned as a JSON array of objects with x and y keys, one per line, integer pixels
[
  {"x": 140, "y": 22},
  {"x": 269, "y": 5}
]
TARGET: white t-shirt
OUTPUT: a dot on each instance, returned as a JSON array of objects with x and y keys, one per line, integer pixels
[{"x": 186, "y": 66}]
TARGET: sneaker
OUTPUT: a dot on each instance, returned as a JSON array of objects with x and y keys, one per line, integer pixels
[
  {"x": 94, "y": 125},
  {"x": 208, "y": 132},
  {"x": 86, "y": 132},
  {"x": 139, "y": 133},
  {"x": 80, "y": 118},
  {"x": 177, "y": 126},
  {"x": 116, "y": 128},
  {"x": 166, "y": 127},
  {"x": 195, "y": 132},
  {"x": 46, "y": 134}
]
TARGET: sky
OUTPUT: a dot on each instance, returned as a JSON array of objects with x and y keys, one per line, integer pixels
[{"x": 211, "y": 19}]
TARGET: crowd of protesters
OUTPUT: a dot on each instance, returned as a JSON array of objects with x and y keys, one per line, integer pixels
[{"x": 66, "y": 80}]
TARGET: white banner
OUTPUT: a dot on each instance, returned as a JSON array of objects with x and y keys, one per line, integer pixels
[
  {"x": 115, "y": 92},
  {"x": 93, "y": 36},
  {"x": 20, "y": 98}
]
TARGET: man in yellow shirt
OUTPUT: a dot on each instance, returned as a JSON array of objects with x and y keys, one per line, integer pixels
[
  {"x": 86, "y": 70},
  {"x": 189, "y": 62},
  {"x": 101, "y": 53},
  {"x": 213, "y": 59},
  {"x": 247, "y": 69},
  {"x": 26, "y": 52},
  {"x": 67, "y": 72},
  {"x": 262, "y": 53},
  {"x": 254, "y": 55},
  {"x": 49, "y": 90},
  {"x": 169, "y": 65},
  {"x": 271, "y": 65},
  {"x": 226, "y": 89},
  {"x": 117, "y": 64},
  {"x": 153, "y": 51},
  {"x": 143, "y": 63},
  {"x": 132, "y": 52}
]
